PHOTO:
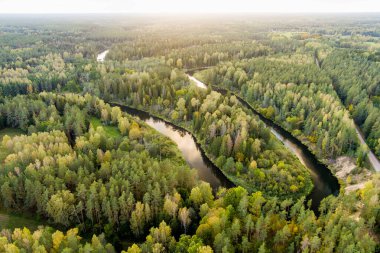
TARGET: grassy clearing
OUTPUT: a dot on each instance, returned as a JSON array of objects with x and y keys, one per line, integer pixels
[
  {"x": 12, "y": 221},
  {"x": 10, "y": 132},
  {"x": 111, "y": 131}
]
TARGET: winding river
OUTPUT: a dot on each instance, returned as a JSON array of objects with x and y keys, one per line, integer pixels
[
  {"x": 325, "y": 183},
  {"x": 191, "y": 151}
]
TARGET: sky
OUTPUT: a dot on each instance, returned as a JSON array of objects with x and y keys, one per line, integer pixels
[{"x": 179, "y": 6}]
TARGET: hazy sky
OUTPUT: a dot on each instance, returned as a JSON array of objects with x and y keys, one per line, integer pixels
[{"x": 107, "y": 6}]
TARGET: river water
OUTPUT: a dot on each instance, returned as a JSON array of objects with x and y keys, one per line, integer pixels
[
  {"x": 102, "y": 56},
  {"x": 191, "y": 151},
  {"x": 325, "y": 183},
  {"x": 197, "y": 82}
]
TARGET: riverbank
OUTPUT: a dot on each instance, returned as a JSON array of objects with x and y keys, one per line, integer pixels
[
  {"x": 235, "y": 181},
  {"x": 321, "y": 170},
  {"x": 225, "y": 180},
  {"x": 325, "y": 165},
  {"x": 341, "y": 167}
]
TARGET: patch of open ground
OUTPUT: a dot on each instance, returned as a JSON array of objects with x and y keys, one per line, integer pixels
[
  {"x": 345, "y": 168},
  {"x": 12, "y": 221},
  {"x": 111, "y": 131}
]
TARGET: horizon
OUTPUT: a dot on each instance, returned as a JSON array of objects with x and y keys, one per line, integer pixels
[
  {"x": 194, "y": 7},
  {"x": 197, "y": 14}
]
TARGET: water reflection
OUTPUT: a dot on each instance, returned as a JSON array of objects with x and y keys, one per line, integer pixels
[
  {"x": 191, "y": 152},
  {"x": 102, "y": 56},
  {"x": 324, "y": 182}
]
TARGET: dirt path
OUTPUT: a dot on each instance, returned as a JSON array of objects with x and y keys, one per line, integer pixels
[
  {"x": 355, "y": 187},
  {"x": 371, "y": 156}
]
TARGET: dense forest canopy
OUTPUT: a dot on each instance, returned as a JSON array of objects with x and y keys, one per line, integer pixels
[
  {"x": 98, "y": 179},
  {"x": 300, "y": 97}
]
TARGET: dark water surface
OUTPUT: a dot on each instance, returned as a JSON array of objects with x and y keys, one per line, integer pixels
[
  {"x": 325, "y": 183},
  {"x": 191, "y": 151}
]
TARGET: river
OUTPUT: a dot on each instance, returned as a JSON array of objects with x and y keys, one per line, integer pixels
[
  {"x": 102, "y": 56},
  {"x": 325, "y": 183},
  {"x": 191, "y": 151},
  {"x": 197, "y": 82}
]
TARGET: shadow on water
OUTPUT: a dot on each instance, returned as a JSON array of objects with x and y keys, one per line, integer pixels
[
  {"x": 325, "y": 183},
  {"x": 192, "y": 153}
]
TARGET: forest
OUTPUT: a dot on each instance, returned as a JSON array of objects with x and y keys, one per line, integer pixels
[
  {"x": 299, "y": 97},
  {"x": 237, "y": 141},
  {"x": 86, "y": 174}
]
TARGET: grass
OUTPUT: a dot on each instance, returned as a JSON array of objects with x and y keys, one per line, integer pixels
[
  {"x": 12, "y": 221},
  {"x": 10, "y": 132},
  {"x": 111, "y": 131}
]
